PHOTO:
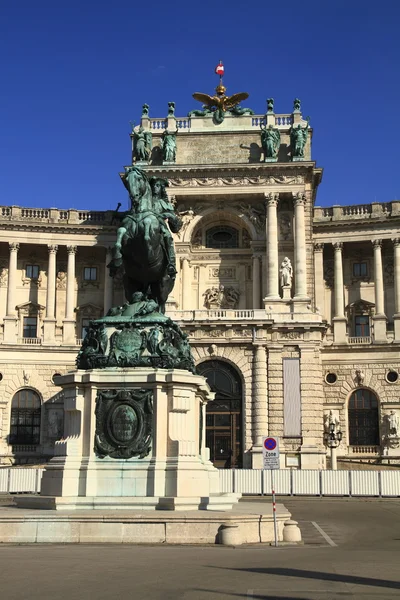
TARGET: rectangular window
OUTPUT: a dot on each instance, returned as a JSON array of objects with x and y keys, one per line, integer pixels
[
  {"x": 29, "y": 327},
  {"x": 90, "y": 274},
  {"x": 85, "y": 323},
  {"x": 32, "y": 271},
  {"x": 361, "y": 325},
  {"x": 360, "y": 269}
]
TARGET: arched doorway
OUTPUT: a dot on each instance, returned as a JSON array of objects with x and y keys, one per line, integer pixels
[
  {"x": 25, "y": 418},
  {"x": 224, "y": 414},
  {"x": 363, "y": 418}
]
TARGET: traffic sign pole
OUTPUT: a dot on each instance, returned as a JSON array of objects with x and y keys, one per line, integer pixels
[
  {"x": 271, "y": 462},
  {"x": 274, "y": 508}
]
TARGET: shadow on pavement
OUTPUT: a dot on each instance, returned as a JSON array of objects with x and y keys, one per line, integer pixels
[
  {"x": 354, "y": 579},
  {"x": 249, "y": 596}
]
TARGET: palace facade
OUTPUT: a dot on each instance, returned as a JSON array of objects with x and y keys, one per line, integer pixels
[{"x": 292, "y": 310}]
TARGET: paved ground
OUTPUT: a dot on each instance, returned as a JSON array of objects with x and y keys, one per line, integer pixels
[{"x": 363, "y": 563}]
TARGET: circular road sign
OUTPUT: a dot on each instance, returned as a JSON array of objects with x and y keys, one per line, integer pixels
[{"x": 270, "y": 443}]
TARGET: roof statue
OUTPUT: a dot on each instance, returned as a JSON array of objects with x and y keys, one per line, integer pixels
[{"x": 220, "y": 103}]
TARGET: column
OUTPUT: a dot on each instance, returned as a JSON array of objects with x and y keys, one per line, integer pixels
[
  {"x": 260, "y": 403},
  {"x": 108, "y": 283},
  {"x": 186, "y": 293},
  {"x": 271, "y": 201},
  {"x": 69, "y": 333},
  {"x": 49, "y": 322},
  {"x": 10, "y": 320},
  {"x": 256, "y": 282},
  {"x": 379, "y": 319},
  {"x": 339, "y": 318},
  {"x": 396, "y": 316},
  {"x": 300, "y": 271},
  {"x": 319, "y": 289},
  {"x": 12, "y": 273}
]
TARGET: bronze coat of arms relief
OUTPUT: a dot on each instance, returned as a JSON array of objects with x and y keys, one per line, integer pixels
[{"x": 124, "y": 423}]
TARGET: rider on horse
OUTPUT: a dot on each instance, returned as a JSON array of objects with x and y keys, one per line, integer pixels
[{"x": 141, "y": 217}]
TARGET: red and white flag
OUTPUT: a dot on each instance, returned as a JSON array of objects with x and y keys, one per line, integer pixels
[{"x": 219, "y": 69}]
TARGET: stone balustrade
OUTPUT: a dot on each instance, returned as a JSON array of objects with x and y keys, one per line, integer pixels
[
  {"x": 55, "y": 215},
  {"x": 187, "y": 124},
  {"x": 375, "y": 210}
]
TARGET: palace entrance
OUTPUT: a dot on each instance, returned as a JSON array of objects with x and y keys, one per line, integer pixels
[{"x": 224, "y": 414}]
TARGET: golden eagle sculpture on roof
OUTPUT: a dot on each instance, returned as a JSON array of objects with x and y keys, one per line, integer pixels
[{"x": 219, "y": 104}]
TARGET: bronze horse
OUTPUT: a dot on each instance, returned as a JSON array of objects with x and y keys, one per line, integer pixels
[{"x": 141, "y": 247}]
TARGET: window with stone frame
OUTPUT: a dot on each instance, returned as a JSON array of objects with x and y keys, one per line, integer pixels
[
  {"x": 363, "y": 415},
  {"x": 360, "y": 270},
  {"x": 30, "y": 315},
  {"x": 84, "y": 325},
  {"x": 25, "y": 418},
  {"x": 32, "y": 271},
  {"x": 29, "y": 327},
  {"x": 359, "y": 318},
  {"x": 222, "y": 236},
  {"x": 90, "y": 273},
  {"x": 361, "y": 325}
]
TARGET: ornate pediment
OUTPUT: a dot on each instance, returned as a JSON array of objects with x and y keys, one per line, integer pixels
[
  {"x": 361, "y": 307},
  {"x": 30, "y": 309},
  {"x": 89, "y": 311}
]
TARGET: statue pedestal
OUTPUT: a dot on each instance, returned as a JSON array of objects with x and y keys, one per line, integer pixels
[
  {"x": 99, "y": 419},
  {"x": 286, "y": 292}
]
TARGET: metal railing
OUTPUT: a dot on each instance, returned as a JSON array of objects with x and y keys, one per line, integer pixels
[{"x": 289, "y": 482}]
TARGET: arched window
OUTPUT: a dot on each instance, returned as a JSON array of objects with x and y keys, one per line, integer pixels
[
  {"x": 222, "y": 236},
  {"x": 25, "y": 418},
  {"x": 224, "y": 414},
  {"x": 363, "y": 418}
]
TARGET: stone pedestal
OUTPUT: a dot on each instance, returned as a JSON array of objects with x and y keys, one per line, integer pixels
[
  {"x": 175, "y": 475},
  {"x": 379, "y": 322},
  {"x": 10, "y": 330},
  {"x": 69, "y": 331},
  {"x": 49, "y": 331},
  {"x": 339, "y": 330}
]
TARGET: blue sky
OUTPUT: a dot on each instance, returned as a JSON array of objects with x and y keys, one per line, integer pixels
[{"x": 74, "y": 73}]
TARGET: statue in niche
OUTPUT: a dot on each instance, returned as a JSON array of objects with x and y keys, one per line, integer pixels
[
  {"x": 286, "y": 273},
  {"x": 142, "y": 144},
  {"x": 186, "y": 217},
  {"x": 169, "y": 145},
  {"x": 298, "y": 139},
  {"x": 393, "y": 424},
  {"x": 285, "y": 226},
  {"x": 270, "y": 141}
]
